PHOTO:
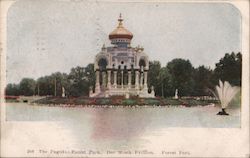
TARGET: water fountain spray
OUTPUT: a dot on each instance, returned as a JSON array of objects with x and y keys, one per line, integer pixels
[{"x": 225, "y": 93}]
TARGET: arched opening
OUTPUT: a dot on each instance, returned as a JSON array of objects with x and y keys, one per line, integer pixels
[
  {"x": 102, "y": 63},
  {"x": 142, "y": 63},
  {"x": 132, "y": 74},
  {"x": 119, "y": 75},
  {"x": 125, "y": 75}
]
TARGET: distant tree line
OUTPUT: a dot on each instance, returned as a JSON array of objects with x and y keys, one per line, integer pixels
[
  {"x": 180, "y": 74},
  {"x": 177, "y": 74},
  {"x": 76, "y": 83}
]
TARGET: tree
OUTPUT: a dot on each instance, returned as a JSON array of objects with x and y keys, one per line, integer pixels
[
  {"x": 27, "y": 86},
  {"x": 164, "y": 82},
  {"x": 44, "y": 86},
  {"x": 154, "y": 76},
  {"x": 58, "y": 81},
  {"x": 81, "y": 78},
  {"x": 90, "y": 75},
  {"x": 181, "y": 72},
  {"x": 229, "y": 69},
  {"x": 12, "y": 89},
  {"x": 202, "y": 81},
  {"x": 52, "y": 84}
]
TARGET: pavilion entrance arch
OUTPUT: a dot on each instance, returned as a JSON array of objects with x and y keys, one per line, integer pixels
[
  {"x": 102, "y": 68},
  {"x": 143, "y": 73}
]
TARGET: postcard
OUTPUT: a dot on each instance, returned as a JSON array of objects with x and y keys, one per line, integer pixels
[{"x": 124, "y": 78}]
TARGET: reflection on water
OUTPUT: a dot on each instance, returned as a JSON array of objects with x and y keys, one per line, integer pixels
[
  {"x": 119, "y": 128},
  {"x": 119, "y": 123}
]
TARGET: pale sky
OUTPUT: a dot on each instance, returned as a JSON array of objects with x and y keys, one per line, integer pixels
[{"x": 49, "y": 36}]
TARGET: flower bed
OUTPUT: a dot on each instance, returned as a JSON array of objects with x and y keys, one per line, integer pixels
[{"x": 114, "y": 101}]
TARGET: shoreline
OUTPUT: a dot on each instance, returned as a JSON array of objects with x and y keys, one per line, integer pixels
[
  {"x": 121, "y": 102},
  {"x": 118, "y": 102},
  {"x": 118, "y": 106}
]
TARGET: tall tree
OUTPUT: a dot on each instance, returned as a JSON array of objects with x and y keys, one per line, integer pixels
[
  {"x": 202, "y": 81},
  {"x": 181, "y": 72},
  {"x": 12, "y": 89},
  {"x": 164, "y": 83},
  {"x": 59, "y": 80},
  {"x": 229, "y": 69},
  {"x": 81, "y": 78},
  {"x": 45, "y": 86},
  {"x": 27, "y": 86},
  {"x": 154, "y": 76}
]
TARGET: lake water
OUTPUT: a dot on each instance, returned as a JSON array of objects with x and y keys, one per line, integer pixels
[
  {"x": 117, "y": 118},
  {"x": 118, "y": 128}
]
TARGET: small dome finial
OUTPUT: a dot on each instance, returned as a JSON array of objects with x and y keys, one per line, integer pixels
[{"x": 120, "y": 19}]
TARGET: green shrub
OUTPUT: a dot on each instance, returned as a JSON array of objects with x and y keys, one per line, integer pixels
[
  {"x": 172, "y": 102},
  {"x": 103, "y": 101},
  {"x": 81, "y": 101},
  {"x": 152, "y": 101},
  {"x": 129, "y": 102}
]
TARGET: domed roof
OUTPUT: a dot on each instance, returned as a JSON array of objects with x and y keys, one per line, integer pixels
[{"x": 120, "y": 31}]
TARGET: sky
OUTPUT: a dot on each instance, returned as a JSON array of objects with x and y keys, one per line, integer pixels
[{"x": 49, "y": 36}]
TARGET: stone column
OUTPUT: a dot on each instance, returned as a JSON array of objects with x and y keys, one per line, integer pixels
[
  {"x": 104, "y": 79},
  {"x": 129, "y": 79},
  {"x": 109, "y": 79},
  {"x": 115, "y": 79},
  {"x": 141, "y": 80},
  {"x": 97, "y": 82},
  {"x": 145, "y": 80},
  {"x": 137, "y": 79}
]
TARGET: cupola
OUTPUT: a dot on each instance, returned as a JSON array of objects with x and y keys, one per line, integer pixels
[{"x": 120, "y": 36}]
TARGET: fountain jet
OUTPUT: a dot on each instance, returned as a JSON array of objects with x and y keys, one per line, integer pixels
[{"x": 225, "y": 93}]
